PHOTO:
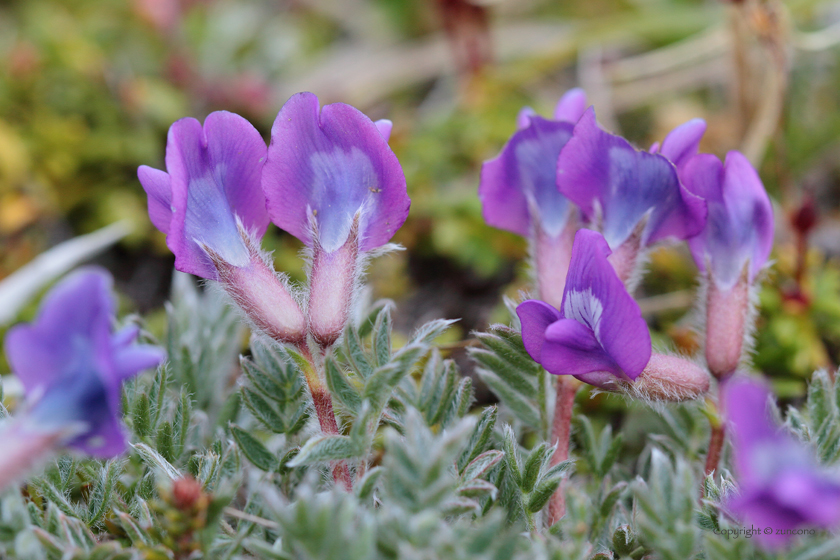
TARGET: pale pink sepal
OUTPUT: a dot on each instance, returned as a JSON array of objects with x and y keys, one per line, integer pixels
[
  {"x": 331, "y": 283},
  {"x": 726, "y": 317}
]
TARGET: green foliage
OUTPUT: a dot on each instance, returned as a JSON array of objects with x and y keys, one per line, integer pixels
[
  {"x": 519, "y": 382},
  {"x": 203, "y": 339},
  {"x": 432, "y": 477}
]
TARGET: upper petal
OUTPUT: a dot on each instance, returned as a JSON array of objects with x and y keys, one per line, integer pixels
[
  {"x": 329, "y": 165},
  {"x": 215, "y": 175},
  {"x": 597, "y": 298},
  {"x": 683, "y": 142},
  {"x": 571, "y": 106},
  {"x": 158, "y": 188},
  {"x": 520, "y": 183},
  {"x": 750, "y": 210},
  {"x": 628, "y": 186}
]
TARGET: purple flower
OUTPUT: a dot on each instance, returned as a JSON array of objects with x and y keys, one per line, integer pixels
[
  {"x": 329, "y": 168},
  {"x": 518, "y": 190},
  {"x": 598, "y": 335},
  {"x": 332, "y": 181},
  {"x": 779, "y": 484},
  {"x": 212, "y": 186},
  {"x": 633, "y": 195},
  {"x": 72, "y": 365},
  {"x": 212, "y": 209},
  {"x": 739, "y": 229},
  {"x": 732, "y": 248}
]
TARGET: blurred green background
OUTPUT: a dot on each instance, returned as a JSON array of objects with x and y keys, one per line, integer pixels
[{"x": 88, "y": 89}]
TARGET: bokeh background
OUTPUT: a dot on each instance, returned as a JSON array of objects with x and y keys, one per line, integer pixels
[{"x": 88, "y": 89}]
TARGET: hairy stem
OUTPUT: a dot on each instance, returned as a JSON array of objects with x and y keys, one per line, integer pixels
[
  {"x": 561, "y": 430},
  {"x": 322, "y": 400},
  {"x": 715, "y": 447}
]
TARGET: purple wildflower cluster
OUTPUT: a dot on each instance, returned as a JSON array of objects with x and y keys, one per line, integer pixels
[
  {"x": 590, "y": 204},
  {"x": 328, "y": 178},
  {"x": 555, "y": 176}
]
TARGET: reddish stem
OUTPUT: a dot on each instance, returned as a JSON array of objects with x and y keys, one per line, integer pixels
[
  {"x": 561, "y": 430},
  {"x": 715, "y": 447},
  {"x": 326, "y": 417}
]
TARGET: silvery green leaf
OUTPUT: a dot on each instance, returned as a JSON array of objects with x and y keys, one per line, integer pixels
[
  {"x": 326, "y": 448},
  {"x": 479, "y": 466},
  {"x": 103, "y": 490},
  {"x": 365, "y": 486},
  {"x": 533, "y": 465},
  {"x": 427, "y": 333},
  {"x": 511, "y": 458},
  {"x": 478, "y": 488},
  {"x": 538, "y": 498},
  {"x": 263, "y": 411},
  {"x": 480, "y": 437},
  {"x": 253, "y": 449},
  {"x": 340, "y": 386},
  {"x": 156, "y": 461},
  {"x": 381, "y": 339}
]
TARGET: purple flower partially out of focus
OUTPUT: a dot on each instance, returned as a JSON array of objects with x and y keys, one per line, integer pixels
[
  {"x": 779, "y": 484},
  {"x": 599, "y": 336},
  {"x": 732, "y": 248},
  {"x": 212, "y": 209},
  {"x": 332, "y": 181},
  {"x": 634, "y": 197},
  {"x": 518, "y": 191},
  {"x": 72, "y": 365},
  {"x": 682, "y": 143}
]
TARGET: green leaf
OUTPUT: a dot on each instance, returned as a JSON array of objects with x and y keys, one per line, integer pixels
[
  {"x": 427, "y": 333},
  {"x": 340, "y": 387},
  {"x": 611, "y": 498},
  {"x": 365, "y": 486},
  {"x": 136, "y": 534},
  {"x": 480, "y": 438},
  {"x": 263, "y": 411},
  {"x": 156, "y": 460},
  {"x": 356, "y": 353},
  {"x": 382, "y": 337},
  {"x": 253, "y": 449},
  {"x": 541, "y": 494},
  {"x": 326, "y": 448},
  {"x": 163, "y": 441},
  {"x": 103, "y": 492},
  {"x": 512, "y": 456},
  {"x": 141, "y": 415},
  {"x": 478, "y": 488},
  {"x": 479, "y": 467},
  {"x": 533, "y": 465}
]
